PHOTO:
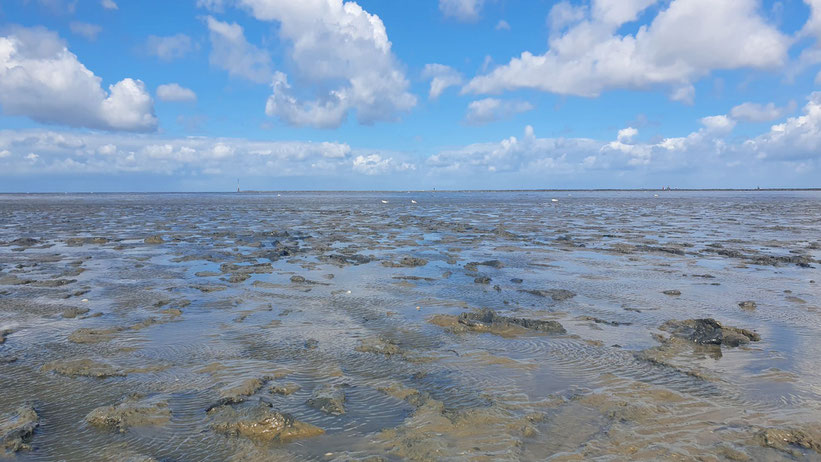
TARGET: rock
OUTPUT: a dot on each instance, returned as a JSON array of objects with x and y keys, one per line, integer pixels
[
  {"x": 672, "y": 292},
  {"x": 709, "y": 332},
  {"x": 3, "y": 334},
  {"x": 132, "y": 412},
  {"x": 784, "y": 439},
  {"x": 73, "y": 312},
  {"x": 83, "y": 368},
  {"x": 379, "y": 346},
  {"x": 556, "y": 294},
  {"x": 747, "y": 305},
  {"x": 517, "y": 280},
  {"x": 329, "y": 399},
  {"x": 156, "y": 239},
  {"x": 286, "y": 389},
  {"x": 482, "y": 280},
  {"x": 297, "y": 279},
  {"x": 17, "y": 429},
  {"x": 261, "y": 423}
]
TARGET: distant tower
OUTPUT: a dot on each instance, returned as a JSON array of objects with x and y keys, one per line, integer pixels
[{"x": 237, "y": 184}]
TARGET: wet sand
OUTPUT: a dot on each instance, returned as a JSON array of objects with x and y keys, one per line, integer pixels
[{"x": 467, "y": 326}]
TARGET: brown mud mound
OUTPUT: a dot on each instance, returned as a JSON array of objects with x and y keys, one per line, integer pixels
[
  {"x": 434, "y": 433},
  {"x": 17, "y": 429},
  {"x": 556, "y": 294},
  {"x": 237, "y": 393},
  {"x": 329, "y": 399},
  {"x": 83, "y": 368},
  {"x": 708, "y": 331},
  {"x": 132, "y": 412},
  {"x": 406, "y": 262},
  {"x": 380, "y": 346},
  {"x": 90, "y": 335},
  {"x": 261, "y": 423},
  {"x": 790, "y": 440},
  {"x": 487, "y": 320}
]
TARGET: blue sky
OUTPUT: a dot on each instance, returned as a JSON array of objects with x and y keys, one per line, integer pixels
[{"x": 114, "y": 95}]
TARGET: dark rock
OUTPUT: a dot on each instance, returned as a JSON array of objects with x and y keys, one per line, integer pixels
[
  {"x": 482, "y": 280},
  {"x": 296, "y": 279},
  {"x": 672, "y": 292},
  {"x": 517, "y": 280}
]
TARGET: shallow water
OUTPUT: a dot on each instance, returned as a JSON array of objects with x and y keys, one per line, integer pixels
[{"x": 186, "y": 330}]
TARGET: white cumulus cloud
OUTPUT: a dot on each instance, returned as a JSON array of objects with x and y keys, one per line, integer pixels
[
  {"x": 175, "y": 92},
  {"x": 41, "y": 79},
  {"x": 462, "y": 10},
  {"x": 441, "y": 78},
  {"x": 232, "y": 52},
  {"x": 680, "y": 45},
  {"x": 341, "y": 58},
  {"x": 169, "y": 48},
  {"x": 754, "y": 112},
  {"x": 84, "y": 29},
  {"x": 488, "y": 110}
]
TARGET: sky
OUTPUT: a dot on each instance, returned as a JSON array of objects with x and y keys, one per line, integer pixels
[{"x": 196, "y": 95}]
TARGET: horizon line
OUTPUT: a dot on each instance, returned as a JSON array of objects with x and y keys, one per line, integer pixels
[{"x": 420, "y": 190}]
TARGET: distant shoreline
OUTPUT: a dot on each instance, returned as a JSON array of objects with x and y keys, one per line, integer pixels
[{"x": 429, "y": 191}]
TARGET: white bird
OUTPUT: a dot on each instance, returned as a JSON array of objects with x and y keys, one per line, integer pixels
[
  {"x": 384, "y": 202},
  {"x": 554, "y": 200},
  {"x": 413, "y": 201},
  {"x": 655, "y": 195}
]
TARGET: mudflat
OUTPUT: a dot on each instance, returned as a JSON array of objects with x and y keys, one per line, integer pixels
[{"x": 364, "y": 326}]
